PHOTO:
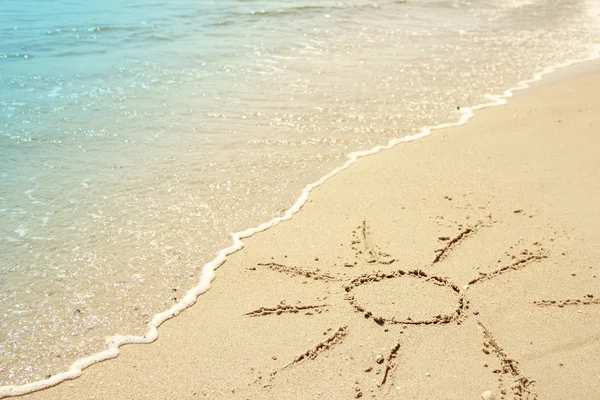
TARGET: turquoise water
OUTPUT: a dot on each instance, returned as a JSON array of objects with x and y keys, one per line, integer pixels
[{"x": 135, "y": 137}]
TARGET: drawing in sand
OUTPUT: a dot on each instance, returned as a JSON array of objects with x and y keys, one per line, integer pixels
[{"x": 512, "y": 380}]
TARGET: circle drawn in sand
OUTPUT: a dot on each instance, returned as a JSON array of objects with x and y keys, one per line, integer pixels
[{"x": 377, "y": 302}]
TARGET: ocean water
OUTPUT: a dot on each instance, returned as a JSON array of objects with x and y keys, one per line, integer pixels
[{"x": 136, "y": 136}]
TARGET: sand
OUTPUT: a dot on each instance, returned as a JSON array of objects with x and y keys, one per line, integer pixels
[{"x": 460, "y": 264}]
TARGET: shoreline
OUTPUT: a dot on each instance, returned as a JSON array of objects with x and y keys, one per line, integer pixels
[{"x": 208, "y": 278}]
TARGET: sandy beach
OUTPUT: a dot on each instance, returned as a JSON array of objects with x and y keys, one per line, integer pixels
[{"x": 457, "y": 266}]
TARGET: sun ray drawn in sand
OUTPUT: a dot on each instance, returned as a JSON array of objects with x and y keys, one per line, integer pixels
[
  {"x": 586, "y": 300},
  {"x": 511, "y": 378}
]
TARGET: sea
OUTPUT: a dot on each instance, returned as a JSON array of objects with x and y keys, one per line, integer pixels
[{"x": 136, "y": 136}]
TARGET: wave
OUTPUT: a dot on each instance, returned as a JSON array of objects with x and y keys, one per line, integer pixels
[
  {"x": 306, "y": 10},
  {"x": 17, "y": 56}
]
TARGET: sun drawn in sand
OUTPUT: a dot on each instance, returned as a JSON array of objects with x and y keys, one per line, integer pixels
[{"x": 512, "y": 381}]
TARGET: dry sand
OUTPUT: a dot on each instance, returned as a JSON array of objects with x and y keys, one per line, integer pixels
[{"x": 458, "y": 264}]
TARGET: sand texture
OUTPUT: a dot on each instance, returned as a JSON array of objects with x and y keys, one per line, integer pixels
[{"x": 463, "y": 263}]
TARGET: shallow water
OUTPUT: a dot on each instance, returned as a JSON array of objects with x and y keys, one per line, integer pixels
[{"x": 134, "y": 138}]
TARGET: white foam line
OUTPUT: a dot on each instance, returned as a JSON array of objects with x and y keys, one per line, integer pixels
[{"x": 208, "y": 270}]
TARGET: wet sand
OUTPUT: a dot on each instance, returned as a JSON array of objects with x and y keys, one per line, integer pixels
[{"x": 460, "y": 264}]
